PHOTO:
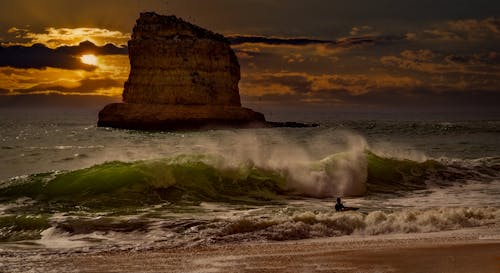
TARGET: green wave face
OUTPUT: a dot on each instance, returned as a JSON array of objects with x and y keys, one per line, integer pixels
[
  {"x": 194, "y": 179},
  {"x": 389, "y": 175},
  {"x": 146, "y": 182}
]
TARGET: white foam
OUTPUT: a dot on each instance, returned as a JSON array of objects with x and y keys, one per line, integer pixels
[
  {"x": 340, "y": 175},
  {"x": 300, "y": 225}
]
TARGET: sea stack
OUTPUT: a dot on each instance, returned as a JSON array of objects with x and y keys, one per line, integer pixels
[{"x": 182, "y": 77}]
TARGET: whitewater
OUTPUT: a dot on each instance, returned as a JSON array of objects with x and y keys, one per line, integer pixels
[{"x": 68, "y": 186}]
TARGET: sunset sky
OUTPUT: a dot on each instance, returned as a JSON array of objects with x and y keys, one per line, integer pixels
[{"x": 341, "y": 54}]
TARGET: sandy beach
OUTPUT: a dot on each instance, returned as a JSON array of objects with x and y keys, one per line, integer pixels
[{"x": 430, "y": 252}]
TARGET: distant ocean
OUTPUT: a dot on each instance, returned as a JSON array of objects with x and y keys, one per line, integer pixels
[{"x": 68, "y": 186}]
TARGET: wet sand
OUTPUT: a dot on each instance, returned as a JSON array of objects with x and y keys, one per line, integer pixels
[{"x": 358, "y": 254}]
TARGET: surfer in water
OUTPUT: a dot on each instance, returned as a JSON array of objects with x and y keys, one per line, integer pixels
[{"x": 340, "y": 207}]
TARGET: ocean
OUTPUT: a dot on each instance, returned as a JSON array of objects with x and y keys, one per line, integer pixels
[{"x": 68, "y": 186}]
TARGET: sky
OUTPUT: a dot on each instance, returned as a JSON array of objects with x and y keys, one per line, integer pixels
[{"x": 358, "y": 54}]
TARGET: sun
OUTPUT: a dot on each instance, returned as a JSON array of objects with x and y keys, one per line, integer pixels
[{"x": 89, "y": 59}]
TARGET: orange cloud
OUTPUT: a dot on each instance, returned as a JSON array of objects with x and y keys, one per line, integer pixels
[
  {"x": 56, "y": 37},
  {"x": 262, "y": 84},
  {"x": 106, "y": 79},
  {"x": 249, "y": 88},
  {"x": 102, "y": 86}
]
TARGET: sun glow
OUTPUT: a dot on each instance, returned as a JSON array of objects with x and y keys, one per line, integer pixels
[{"x": 89, "y": 59}]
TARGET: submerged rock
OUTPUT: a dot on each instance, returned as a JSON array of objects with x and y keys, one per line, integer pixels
[{"x": 182, "y": 77}]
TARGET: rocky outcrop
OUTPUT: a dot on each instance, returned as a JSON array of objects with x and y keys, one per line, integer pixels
[
  {"x": 182, "y": 77},
  {"x": 175, "y": 62}
]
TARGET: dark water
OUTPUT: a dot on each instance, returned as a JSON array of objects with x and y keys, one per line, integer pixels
[{"x": 69, "y": 186}]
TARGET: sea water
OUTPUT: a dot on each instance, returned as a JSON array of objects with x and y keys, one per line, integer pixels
[{"x": 68, "y": 186}]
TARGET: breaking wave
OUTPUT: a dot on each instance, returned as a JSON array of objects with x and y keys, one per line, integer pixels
[
  {"x": 115, "y": 197},
  {"x": 276, "y": 225},
  {"x": 196, "y": 178},
  {"x": 320, "y": 224}
]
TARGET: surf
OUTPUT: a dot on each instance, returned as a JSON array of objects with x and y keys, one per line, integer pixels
[
  {"x": 197, "y": 178},
  {"x": 142, "y": 196}
]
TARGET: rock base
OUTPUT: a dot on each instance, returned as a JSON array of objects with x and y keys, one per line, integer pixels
[{"x": 179, "y": 117}]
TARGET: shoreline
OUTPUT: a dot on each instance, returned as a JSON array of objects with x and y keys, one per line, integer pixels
[{"x": 469, "y": 250}]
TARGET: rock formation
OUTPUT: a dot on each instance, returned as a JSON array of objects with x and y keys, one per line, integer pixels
[{"x": 182, "y": 77}]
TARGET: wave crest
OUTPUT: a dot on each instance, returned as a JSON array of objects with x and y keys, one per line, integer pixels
[{"x": 196, "y": 178}]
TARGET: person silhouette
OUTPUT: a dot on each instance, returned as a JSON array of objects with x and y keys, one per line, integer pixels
[{"x": 339, "y": 206}]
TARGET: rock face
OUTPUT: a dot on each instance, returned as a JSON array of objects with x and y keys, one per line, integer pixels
[
  {"x": 175, "y": 62},
  {"x": 182, "y": 77}
]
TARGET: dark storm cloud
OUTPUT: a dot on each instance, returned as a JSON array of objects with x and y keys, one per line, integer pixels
[
  {"x": 38, "y": 56},
  {"x": 311, "y": 18},
  {"x": 84, "y": 86},
  {"x": 349, "y": 41},
  {"x": 236, "y": 40},
  {"x": 86, "y": 46},
  {"x": 67, "y": 57}
]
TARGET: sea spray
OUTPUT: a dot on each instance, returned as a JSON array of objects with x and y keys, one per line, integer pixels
[{"x": 341, "y": 175}]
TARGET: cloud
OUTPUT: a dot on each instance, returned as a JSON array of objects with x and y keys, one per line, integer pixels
[
  {"x": 107, "y": 78},
  {"x": 82, "y": 86},
  {"x": 353, "y": 70},
  {"x": 39, "y": 56},
  {"x": 345, "y": 41},
  {"x": 262, "y": 84},
  {"x": 487, "y": 25},
  {"x": 486, "y": 64},
  {"x": 56, "y": 100},
  {"x": 368, "y": 90},
  {"x": 89, "y": 47},
  {"x": 317, "y": 56},
  {"x": 439, "y": 63},
  {"x": 66, "y": 57},
  {"x": 4, "y": 91},
  {"x": 56, "y": 37},
  {"x": 237, "y": 40},
  {"x": 419, "y": 99},
  {"x": 363, "y": 30},
  {"x": 311, "y": 86},
  {"x": 472, "y": 30}
]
